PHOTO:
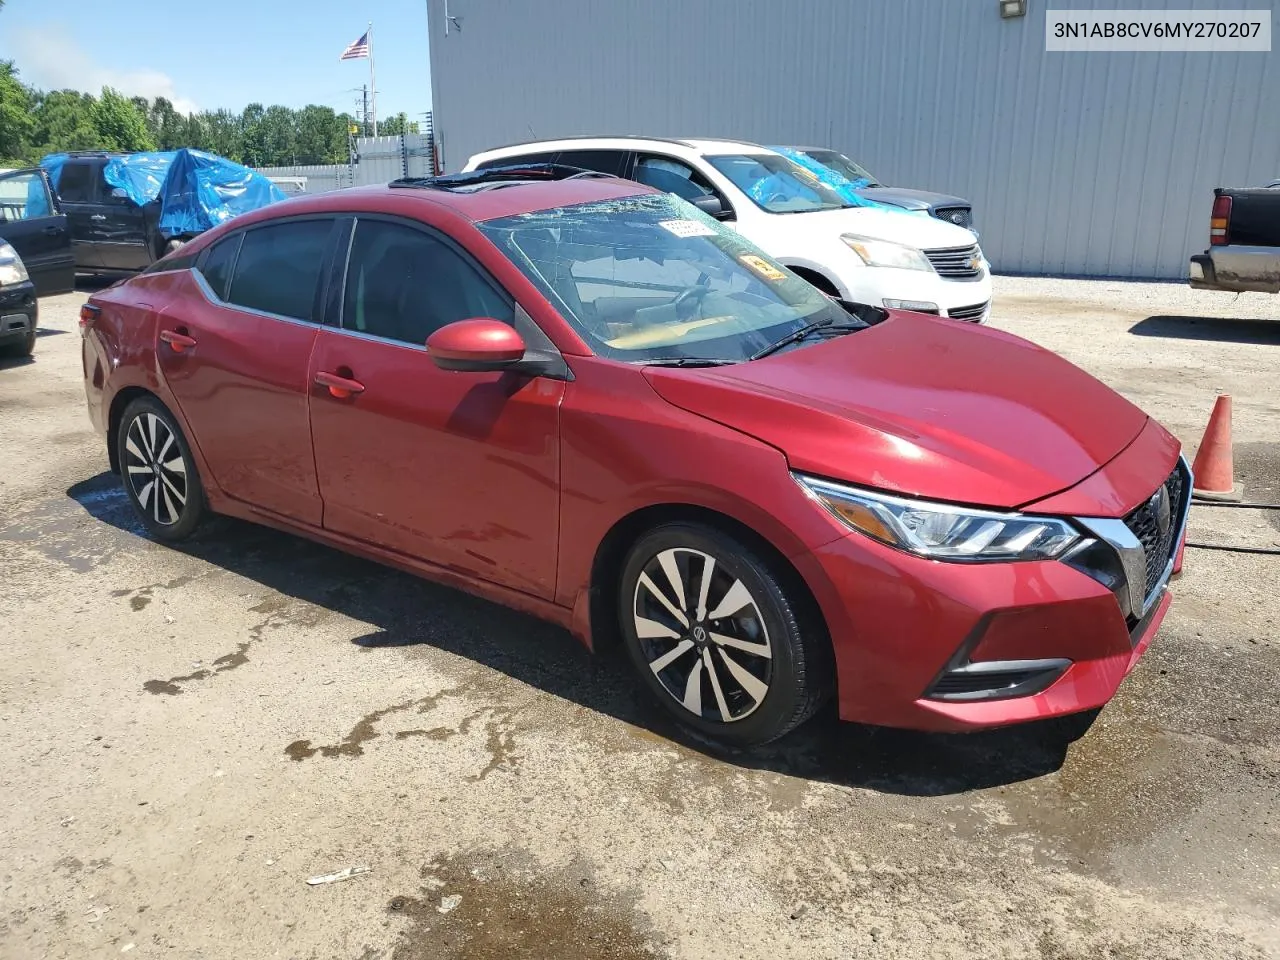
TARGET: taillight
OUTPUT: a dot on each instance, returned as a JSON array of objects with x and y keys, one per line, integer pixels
[
  {"x": 1218, "y": 220},
  {"x": 88, "y": 314}
]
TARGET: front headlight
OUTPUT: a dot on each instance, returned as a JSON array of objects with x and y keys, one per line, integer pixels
[
  {"x": 883, "y": 253},
  {"x": 12, "y": 269},
  {"x": 941, "y": 531}
]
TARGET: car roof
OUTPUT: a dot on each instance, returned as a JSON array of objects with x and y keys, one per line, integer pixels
[
  {"x": 708, "y": 145},
  {"x": 500, "y": 200}
]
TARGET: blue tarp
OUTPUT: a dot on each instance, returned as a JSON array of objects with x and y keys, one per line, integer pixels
[
  {"x": 848, "y": 189},
  {"x": 196, "y": 190}
]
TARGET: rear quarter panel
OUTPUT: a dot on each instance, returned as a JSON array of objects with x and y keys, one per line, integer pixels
[{"x": 119, "y": 350}]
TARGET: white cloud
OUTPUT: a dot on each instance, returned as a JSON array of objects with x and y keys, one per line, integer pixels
[{"x": 49, "y": 58}]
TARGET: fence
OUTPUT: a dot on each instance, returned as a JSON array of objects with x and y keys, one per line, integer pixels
[{"x": 377, "y": 160}]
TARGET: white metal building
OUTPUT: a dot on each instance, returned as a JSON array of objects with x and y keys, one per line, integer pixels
[{"x": 1097, "y": 164}]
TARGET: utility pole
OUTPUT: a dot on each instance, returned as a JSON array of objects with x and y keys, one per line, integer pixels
[{"x": 364, "y": 117}]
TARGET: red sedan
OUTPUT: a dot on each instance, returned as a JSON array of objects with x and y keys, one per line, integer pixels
[{"x": 590, "y": 401}]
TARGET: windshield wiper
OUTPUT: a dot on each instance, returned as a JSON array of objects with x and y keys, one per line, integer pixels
[
  {"x": 685, "y": 362},
  {"x": 828, "y": 323}
]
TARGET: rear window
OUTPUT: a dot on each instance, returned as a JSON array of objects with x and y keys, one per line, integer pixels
[
  {"x": 217, "y": 264},
  {"x": 279, "y": 267},
  {"x": 75, "y": 184}
]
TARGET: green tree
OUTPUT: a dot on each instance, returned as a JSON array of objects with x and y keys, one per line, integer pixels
[
  {"x": 16, "y": 121},
  {"x": 167, "y": 126},
  {"x": 321, "y": 135},
  {"x": 222, "y": 134},
  {"x": 397, "y": 125},
  {"x": 120, "y": 124},
  {"x": 63, "y": 120},
  {"x": 253, "y": 143},
  {"x": 279, "y": 135}
]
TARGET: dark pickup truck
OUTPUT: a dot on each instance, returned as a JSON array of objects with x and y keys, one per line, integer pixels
[{"x": 1244, "y": 242}]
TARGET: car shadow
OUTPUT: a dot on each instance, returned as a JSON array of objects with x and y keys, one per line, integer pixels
[
  {"x": 1219, "y": 329},
  {"x": 407, "y": 611}
]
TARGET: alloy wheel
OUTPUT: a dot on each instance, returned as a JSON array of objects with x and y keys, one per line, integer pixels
[
  {"x": 155, "y": 468},
  {"x": 703, "y": 635}
]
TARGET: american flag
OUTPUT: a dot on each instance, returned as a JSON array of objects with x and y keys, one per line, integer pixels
[{"x": 358, "y": 50}]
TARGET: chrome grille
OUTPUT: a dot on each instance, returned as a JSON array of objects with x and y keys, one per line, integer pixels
[
  {"x": 960, "y": 216},
  {"x": 1145, "y": 524},
  {"x": 958, "y": 263},
  {"x": 969, "y": 314}
]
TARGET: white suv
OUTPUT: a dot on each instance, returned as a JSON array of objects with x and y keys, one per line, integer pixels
[{"x": 865, "y": 254}]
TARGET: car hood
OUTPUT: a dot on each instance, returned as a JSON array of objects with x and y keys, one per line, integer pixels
[
  {"x": 926, "y": 407},
  {"x": 898, "y": 226},
  {"x": 911, "y": 199}
]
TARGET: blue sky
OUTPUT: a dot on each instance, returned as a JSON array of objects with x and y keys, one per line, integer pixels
[{"x": 225, "y": 54}]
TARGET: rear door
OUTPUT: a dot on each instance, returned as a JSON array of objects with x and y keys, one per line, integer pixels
[
  {"x": 31, "y": 222},
  {"x": 120, "y": 227},
  {"x": 77, "y": 195},
  {"x": 235, "y": 353}
]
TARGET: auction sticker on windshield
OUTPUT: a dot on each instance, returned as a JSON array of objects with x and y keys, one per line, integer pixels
[
  {"x": 687, "y": 228},
  {"x": 762, "y": 267}
]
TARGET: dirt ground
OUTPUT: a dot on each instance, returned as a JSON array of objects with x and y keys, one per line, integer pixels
[{"x": 189, "y": 734}]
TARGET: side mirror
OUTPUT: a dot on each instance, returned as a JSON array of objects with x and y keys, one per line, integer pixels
[
  {"x": 475, "y": 346},
  {"x": 710, "y": 205}
]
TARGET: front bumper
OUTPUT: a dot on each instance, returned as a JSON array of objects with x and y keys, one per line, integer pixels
[
  {"x": 19, "y": 311},
  {"x": 966, "y": 300},
  {"x": 954, "y": 647}
]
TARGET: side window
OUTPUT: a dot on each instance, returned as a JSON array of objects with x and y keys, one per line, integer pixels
[
  {"x": 75, "y": 185},
  {"x": 672, "y": 176},
  {"x": 523, "y": 158},
  {"x": 606, "y": 161},
  {"x": 404, "y": 284},
  {"x": 278, "y": 269},
  {"x": 24, "y": 196},
  {"x": 217, "y": 264}
]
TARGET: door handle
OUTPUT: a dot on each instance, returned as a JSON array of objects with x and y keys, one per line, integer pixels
[
  {"x": 340, "y": 387},
  {"x": 52, "y": 231},
  {"x": 98, "y": 216},
  {"x": 178, "y": 342}
]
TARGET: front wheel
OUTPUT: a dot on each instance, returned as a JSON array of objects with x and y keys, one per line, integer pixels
[
  {"x": 158, "y": 471},
  {"x": 719, "y": 638}
]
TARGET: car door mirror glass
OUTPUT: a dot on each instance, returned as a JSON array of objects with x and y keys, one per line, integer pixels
[{"x": 476, "y": 345}]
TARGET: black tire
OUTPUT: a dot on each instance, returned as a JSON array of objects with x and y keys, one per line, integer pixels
[
  {"x": 21, "y": 348},
  {"x": 774, "y": 639},
  {"x": 148, "y": 436}
]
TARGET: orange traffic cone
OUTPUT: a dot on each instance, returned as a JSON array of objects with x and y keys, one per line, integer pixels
[{"x": 1214, "y": 479}]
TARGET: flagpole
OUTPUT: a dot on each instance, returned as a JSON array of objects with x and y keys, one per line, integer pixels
[{"x": 373, "y": 83}]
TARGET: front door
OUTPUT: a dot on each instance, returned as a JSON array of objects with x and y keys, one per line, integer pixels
[
  {"x": 31, "y": 222},
  {"x": 234, "y": 350},
  {"x": 78, "y": 194},
  {"x": 458, "y": 469}
]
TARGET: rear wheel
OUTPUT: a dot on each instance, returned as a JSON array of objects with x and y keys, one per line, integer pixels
[
  {"x": 718, "y": 638},
  {"x": 158, "y": 471}
]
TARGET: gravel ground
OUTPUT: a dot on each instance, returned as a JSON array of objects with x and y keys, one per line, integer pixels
[{"x": 191, "y": 733}]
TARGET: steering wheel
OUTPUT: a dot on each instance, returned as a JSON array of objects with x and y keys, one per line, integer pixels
[{"x": 691, "y": 295}]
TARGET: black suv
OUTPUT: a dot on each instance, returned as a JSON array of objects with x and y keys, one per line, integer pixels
[{"x": 109, "y": 232}]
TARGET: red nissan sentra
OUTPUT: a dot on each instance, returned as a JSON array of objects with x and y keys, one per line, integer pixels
[{"x": 588, "y": 400}]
